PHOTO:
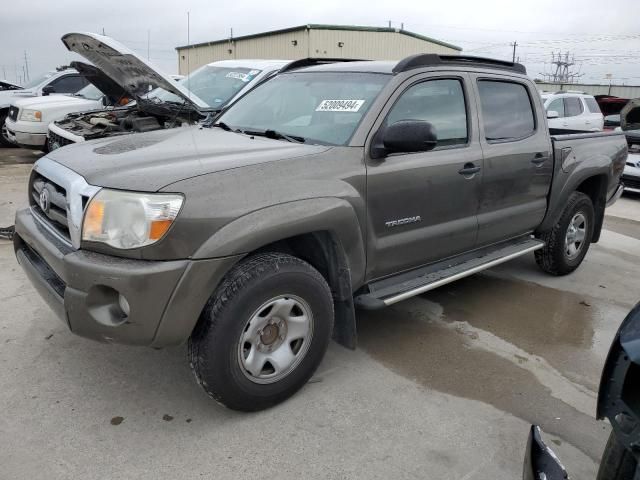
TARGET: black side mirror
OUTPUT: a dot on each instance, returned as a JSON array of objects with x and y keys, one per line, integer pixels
[
  {"x": 540, "y": 461},
  {"x": 47, "y": 89},
  {"x": 405, "y": 136}
]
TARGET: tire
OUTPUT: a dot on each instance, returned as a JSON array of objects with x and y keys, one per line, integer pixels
[
  {"x": 617, "y": 462},
  {"x": 554, "y": 258},
  {"x": 4, "y": 141},
  {"x": 240, "y": 326}
]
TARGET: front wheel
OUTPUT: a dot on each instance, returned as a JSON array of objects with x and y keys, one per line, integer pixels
[
  {"x": 4, "y": 137},
  {"x": 263, "y": 333},
  {"x": 567, "y": 243}
]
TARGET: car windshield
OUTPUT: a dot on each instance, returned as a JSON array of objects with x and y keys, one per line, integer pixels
[
  {"x": 214, "y": 85},
  {"x": 319, "y": 107},
  {"x": 90, "y": 92},
  {"x": 38, "y": 80}
]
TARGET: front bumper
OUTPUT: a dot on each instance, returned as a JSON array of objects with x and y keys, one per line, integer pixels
[
  {"x": 84, "y": 288},
  {"x": 24, "y": 139}
]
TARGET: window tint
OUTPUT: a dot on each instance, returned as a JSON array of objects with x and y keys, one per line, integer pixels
[
  {"x": 592, "y": 105},
  {"x": 572, "y": 106},
  {"x": 557, "y": 106},
  {"x": 69, "y": 84},
  {"x": 506, "y": 110},
  {"x": 439, "y": 102}
]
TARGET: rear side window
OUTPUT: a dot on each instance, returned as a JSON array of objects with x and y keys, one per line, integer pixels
[
  {"x": 573, "y": 106},
  {"x": 506, "y": 110},
  {"x": 592, "y": 105},
  {"x": 557, "y": 106},
  {"x": 439, "y": 102}
]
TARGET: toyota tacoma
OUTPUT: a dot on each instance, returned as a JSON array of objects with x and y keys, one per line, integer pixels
[{"x": 328, "y": 188}]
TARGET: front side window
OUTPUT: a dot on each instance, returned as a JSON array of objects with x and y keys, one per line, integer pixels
[
  {"x": 506, "y": 108},
  {"x": 439, "y": 102},
  {"x": 557, "y": 106},
  {"x": 592, "y": 105},
  {"x": 69, "y": 84},
  {"x": 319, "y": 107},
  {"x": 573, "y": 106}
]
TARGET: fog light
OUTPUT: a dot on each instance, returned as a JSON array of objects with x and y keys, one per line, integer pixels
[{"x": 124, "y": 305}]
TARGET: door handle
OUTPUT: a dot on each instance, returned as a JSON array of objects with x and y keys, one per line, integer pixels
[
  {"x": 539, "y": 159},
  {"x": 469, "y": 169}
]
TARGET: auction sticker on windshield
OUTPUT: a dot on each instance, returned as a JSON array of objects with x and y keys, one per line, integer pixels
[
  {"x": 239, "y": 76},
  {"x": 339, "y": 105}
]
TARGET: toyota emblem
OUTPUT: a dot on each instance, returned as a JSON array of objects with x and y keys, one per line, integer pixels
[{"x": 44, "y": 200}]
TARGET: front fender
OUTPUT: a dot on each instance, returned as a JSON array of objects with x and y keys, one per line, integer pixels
[{"x": 278, "y": 222}]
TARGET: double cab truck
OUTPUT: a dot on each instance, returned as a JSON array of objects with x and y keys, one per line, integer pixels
[{"x": 333, "y": 187}]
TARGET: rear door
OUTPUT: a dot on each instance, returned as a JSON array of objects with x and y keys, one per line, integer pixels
[
  {"x": 574, "y": 113},
  {"x": 421, "y": 208},
  {"x": 595, "y": 119},
  {"x": 517, "y": 158}
]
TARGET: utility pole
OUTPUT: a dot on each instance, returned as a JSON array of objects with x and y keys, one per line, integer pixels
[
  {"x": 26, "y": 65},
  {"x": 148, "y": 43},
  {"x": 514, "y": 45},
  {"x": 389, "y": 23}
]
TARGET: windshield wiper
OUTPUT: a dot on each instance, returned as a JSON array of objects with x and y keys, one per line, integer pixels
[
  {"x": 222, "y": 125},
  {"x": 275, "y": 135}
]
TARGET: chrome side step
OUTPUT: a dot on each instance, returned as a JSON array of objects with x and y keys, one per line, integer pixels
[{"x": 395, "y": 289}]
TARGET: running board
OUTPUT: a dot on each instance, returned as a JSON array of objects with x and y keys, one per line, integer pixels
[{"x": 388, "y": 291}]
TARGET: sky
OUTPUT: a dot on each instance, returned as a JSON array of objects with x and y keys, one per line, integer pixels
[{"x": 602, "y": 35}]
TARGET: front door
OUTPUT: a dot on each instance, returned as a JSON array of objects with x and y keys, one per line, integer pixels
[
  {"x": 518, "y": 158},
  {"x": 422, "y": 206}
]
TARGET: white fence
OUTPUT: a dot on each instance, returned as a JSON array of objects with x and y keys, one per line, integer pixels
[{"x": 623, "y": 91}]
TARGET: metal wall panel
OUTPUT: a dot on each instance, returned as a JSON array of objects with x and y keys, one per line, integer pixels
[{"x": 311, "y": 43}]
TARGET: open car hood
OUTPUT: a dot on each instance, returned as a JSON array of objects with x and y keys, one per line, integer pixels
[
  {"x": 6, "y": 85},
  {"x": 113, "y": 90},
  {"x": 630, "y": 115},
  {"x": 124, "y": 67}
]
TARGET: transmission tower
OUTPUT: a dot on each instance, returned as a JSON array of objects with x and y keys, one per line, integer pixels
[{"x": 563, "y": 69}]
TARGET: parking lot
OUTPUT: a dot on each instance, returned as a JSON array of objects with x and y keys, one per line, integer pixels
[{"x": 444, "y": 385}]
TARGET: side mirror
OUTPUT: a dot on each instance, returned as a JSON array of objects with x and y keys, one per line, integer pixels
[
  {"x": 405, "y": 136},
  {"x": 553, "y": 114},
  {"x": 540, "y": 461},
  {"x": 48, "y": 89}
]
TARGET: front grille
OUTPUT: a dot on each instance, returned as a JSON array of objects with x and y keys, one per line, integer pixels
[
  {"x": 13, "y": 114},
  {"x": 57, "y": 141},
  {"x": 49, "y": 201},
  {"x": 631, "y": 182}
]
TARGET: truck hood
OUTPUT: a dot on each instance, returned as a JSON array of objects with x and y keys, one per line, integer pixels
[
  {"x": 52, "y": 101},
  {"x": 149, "y": 161},
  {"x": 113, "y": 90},
  {"x": 7, "y": 97},
  {"x": 125, "y": 67}
]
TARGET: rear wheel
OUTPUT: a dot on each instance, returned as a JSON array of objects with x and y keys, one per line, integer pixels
[
  {"x": 263, "y": 333},
  {"x": 617, "y": 462},
  {"x": 567, "y": 243}
]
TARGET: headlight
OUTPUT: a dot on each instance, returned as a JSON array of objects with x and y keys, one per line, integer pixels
[
  {"x": 31, "y": 115},
  {"x": 129, "y": 220}
]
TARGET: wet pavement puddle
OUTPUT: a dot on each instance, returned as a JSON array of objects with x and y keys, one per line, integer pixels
[{"x": 529, "y": 350}]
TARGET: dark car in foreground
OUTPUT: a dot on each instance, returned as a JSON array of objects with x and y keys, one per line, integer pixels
[
  {"x": 618, "y": 402},
  {"x": 330, "y": 187}
]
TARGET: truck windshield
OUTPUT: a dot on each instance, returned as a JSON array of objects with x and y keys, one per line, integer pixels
[
  {"x": 318, "y": 107},
  {"x": 214, "y": 85}
]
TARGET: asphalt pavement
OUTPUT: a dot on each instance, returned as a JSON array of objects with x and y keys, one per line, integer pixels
[{"x": 444, "y": 385}]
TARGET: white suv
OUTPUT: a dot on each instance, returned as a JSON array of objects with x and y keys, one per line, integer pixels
[{"x": 573, "y": 111}]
